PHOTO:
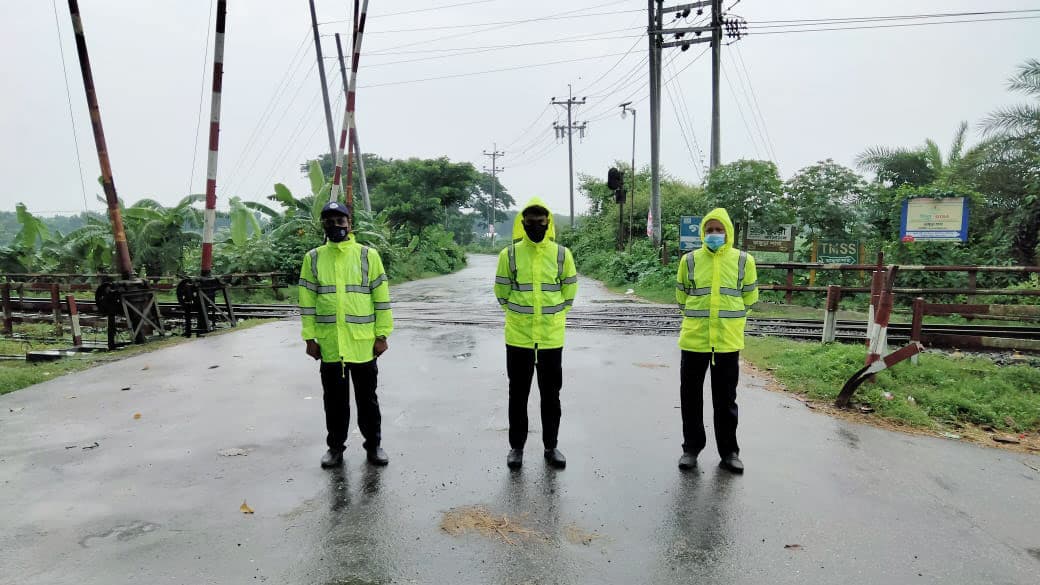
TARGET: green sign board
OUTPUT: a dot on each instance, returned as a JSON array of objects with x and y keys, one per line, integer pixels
[{"x": 837, "y": 252}]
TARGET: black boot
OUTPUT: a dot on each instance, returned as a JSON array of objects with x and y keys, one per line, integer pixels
[
  {"x": 688, "y": 461},
  {"x": 332, "y": 459},
  {"x": 732, "y": 463},
  {"x": 377, "y": 456},
  {"x": 555, "y": 458},
  {"x": 515, "y": 459}
]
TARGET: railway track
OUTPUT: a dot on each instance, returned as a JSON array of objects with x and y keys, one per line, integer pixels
[{"x": 623, "y": 317}]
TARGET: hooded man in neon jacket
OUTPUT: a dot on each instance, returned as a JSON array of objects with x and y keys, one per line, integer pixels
[
  {"x": 715, "y": 287},
  {"x": 345, "y": 309},
  {"x": 535, "y": 284}
]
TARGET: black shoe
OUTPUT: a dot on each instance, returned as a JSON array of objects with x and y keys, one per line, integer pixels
[
  {"x": 332, "y": 459},
  {"x": 732, "y": 463},
  {"x": 555, "y": 458},
  {"x": 515, "y": 459},
  {"x": 377, "y": 456},
  {"x": 688, "y": 461}
]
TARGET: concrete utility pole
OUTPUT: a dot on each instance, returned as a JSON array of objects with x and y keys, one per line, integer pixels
[
  {"x": 569, "y": 129},
  {"x": 363, "y": 179},
  {"x": 654, "y": 18},
  {"x": 494, "y": 154},
  {"x": 324, "y": 84},
  {"x": 735, "y": 27},
  {"x": 716, "y": 54}
]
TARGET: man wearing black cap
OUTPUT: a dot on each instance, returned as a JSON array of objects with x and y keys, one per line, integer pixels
[{"x": 345, "y": 309}]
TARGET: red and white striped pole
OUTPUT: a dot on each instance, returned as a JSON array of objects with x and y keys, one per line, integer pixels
[
  {"x": 77, "y": 333},
  {"x": 214, "y": 139},
  {"x": 348, "y": 119},
  {"x": 126, "y": 267}
]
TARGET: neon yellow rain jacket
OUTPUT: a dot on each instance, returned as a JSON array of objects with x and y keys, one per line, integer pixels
[
  {"x": 715, "y": 291},
  {"x": 344, "y": 300},
  {"x": 536, "y": 285}
]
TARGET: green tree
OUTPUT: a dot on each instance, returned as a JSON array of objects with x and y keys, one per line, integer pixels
[
  {"x": 826, "y": 199},
  {"x": 159, "y": 236},
  {"x": 751, "y": 191}
]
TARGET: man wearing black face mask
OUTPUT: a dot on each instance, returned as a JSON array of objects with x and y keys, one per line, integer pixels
[
  {"x": 535, "y": 283},
  {"x": 345, "y": 309}
]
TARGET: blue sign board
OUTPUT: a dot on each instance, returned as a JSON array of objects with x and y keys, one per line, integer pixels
[
  {"x": 689, "y": 232},
  {"x": 935, "y": 219}
]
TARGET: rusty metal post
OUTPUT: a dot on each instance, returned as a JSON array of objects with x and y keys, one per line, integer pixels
[
  {"x": 973, "y": 276},
  {"x": 214, "y": 140},
  {"x": 830, "y": 318},
  {"x": 77, "y": 333},
  {"x": 56, "y": 309},
  {"x": 5, "y": 298},
  {"x": 789, "y": 295},
  {"x": 124, "y": 264},
  {"x": 876, "y": 284},
  {"x": 917, "y": 324}
]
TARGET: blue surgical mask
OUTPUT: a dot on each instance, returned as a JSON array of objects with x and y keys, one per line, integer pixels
[{"x": 714, "y": 241}]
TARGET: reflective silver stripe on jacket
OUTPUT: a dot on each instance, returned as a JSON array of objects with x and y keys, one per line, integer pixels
[
  {"x": 519, "y": 308},
  {"x": 551, "y": 287},
  {"x": 307, "y": 311},
  {"x": 732, "y": 314},
  {"x": 324, "y": 290},
  {"x": 750, "y": 287},
  {"x": 523, "y": 287},
  {"x": 570, "y": 280},
  {"x": 554, "y": 309},
  {"x": 378, "y": 281},
  {"x": 730, "y": 292},
  {"x": 697, "y": 313},
  {"x": 512, "y": 261},
  {"x": 689, "y": 270},
  {"x": 502, "y": 301},
  {"x": 382, "y": 306},
  {"x": 314, "y": 263},
  {"x": 325, "y": 319},
  {"x": 360, "y": 320},
  {"x": 561, "y": 255},
  {"x": 364, "y": 266},
  {"x": 356, "y": 288},
  {"x": 308, "y": 285},
  {"x": 741, "y": 263},
  {"x": 503, "y": 280}
]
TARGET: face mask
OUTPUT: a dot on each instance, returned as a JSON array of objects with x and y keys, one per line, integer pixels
[
  {"x": 336, "y": 233},
  {"x": 535, "y": 232},
  {"x": 715, "y": 241}
]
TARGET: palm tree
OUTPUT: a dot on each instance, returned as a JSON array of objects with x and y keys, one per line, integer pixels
[
  {"x": 919, "y": 166},
  {"x": 159, "y": 235},
  {"x": 1020, "y": 120}
]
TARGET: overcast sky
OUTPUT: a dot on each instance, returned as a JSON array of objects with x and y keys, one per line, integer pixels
[{"x": 819, "y": 94}]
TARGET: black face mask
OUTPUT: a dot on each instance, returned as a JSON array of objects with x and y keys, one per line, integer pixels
[
  {"x": 536, "y": 232},
  {"x": 336, "y": 233}
]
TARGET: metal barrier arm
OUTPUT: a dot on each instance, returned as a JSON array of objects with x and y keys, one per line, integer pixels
[{"x": 867, "y": 371}]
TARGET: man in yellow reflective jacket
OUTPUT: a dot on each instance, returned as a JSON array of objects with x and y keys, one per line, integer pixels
[
  {"x": 345, "y": 309},
  {"x": 535, "y": 284},
  {"x": 715, "y": 288}
]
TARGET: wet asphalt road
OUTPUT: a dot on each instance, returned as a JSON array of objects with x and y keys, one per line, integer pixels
[{"x": 156, "y": 501}]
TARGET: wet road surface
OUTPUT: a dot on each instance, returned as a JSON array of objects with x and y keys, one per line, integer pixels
[{"x": 158, "y": 499}]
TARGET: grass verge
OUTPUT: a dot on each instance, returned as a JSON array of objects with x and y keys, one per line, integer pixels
[{"x": 941, "y": 392}]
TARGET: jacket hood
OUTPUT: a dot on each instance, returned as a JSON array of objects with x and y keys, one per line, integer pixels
[
  {"x": 721, "y": 215},
  {"x": 518, "y": 222}
]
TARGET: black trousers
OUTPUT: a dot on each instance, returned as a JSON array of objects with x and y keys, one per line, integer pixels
[
  {"x": 725, "y": 373},
  {"x": 520, "y": 367},
  {"x": 336, "y": 386}
]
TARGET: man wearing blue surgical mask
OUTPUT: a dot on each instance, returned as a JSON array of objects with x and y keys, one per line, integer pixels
[{"x": 715, "y": 288}]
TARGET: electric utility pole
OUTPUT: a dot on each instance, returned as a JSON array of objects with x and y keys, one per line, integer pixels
[
  {"x": 494, "y": 170},
  {"x": 569, "y": 129},
  {"x": 324, "y": 85},
  {"x": 735, "y": 27}
]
